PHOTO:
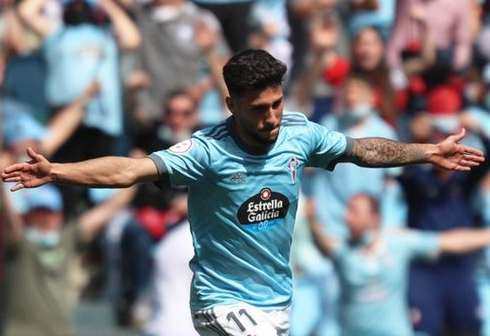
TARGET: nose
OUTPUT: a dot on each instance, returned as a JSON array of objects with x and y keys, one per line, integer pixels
[{"x": 272, "y": 117}]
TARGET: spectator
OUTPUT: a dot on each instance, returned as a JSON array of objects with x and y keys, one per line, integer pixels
[
  {"x": 300, "y": 14},
  {"x": 367, "y": 56},
  {"x": 21, "y": 130},
  {"x": 22, "y": 61},
  {"x": 169, "y": 294},
  {"x": 133, "y": 235},
  {"x": 443, "y": 295},
  {"x": 90, "y": 48},
  {"x": 234, "y": 17},
  {"x": 449, "y": 22},
  {"x": 271, "y": 29},
  {"x": 182, "y": 42},
  {"x": 42, "y": 252},
  {"x": 360, "y": 14},
  {"x": 373, "y": 265}
]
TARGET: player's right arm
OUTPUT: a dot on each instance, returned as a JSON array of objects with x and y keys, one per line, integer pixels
[{"x": 108, "y": 172}]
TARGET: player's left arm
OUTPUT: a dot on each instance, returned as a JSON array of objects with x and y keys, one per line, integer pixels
[{"x": 381, "y": 152}]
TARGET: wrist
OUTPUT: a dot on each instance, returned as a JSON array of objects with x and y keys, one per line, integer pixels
[{"x": 431, "y": 152}]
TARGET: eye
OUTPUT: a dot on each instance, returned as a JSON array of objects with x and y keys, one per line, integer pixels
[{"x": 277, "y": 103}]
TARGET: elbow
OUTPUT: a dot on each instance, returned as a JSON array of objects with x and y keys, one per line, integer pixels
[{"x": 132, "y": 43}]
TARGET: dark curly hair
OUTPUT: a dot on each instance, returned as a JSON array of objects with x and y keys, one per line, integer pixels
[{"x": 252, "y": 70}]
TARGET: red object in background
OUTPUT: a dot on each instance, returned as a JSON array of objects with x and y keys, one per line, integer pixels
[
  {"x": 336, "y": 74},
  {"x": 444, "y": 99},
  {"x": 157, "y": 221}
]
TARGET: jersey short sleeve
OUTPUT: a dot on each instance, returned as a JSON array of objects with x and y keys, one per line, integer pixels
[
  {"x": 183, "y": 163},
  {"x": 328, "y": 146}
]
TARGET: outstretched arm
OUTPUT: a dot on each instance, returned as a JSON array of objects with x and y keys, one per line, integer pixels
[
  {"x": 109, "y": 171},
  {"x": 380, "y": 152},
  {"x": 458, "y": 241}
]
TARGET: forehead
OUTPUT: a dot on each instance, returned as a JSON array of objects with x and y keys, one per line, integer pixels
[
  {"x": 267, "y": 95},
  {"x": 359, "y": 202}
]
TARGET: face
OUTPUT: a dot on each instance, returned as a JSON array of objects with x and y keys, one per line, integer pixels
[
  {"x": 357, "y": 92},
  {"x": 258, "y": 116},
  {"x": 360, "y": 216},
  {"x": 181, "y": 114},
  {"x": 368, "y": 49},
  {"x": 44, "y": 220}
]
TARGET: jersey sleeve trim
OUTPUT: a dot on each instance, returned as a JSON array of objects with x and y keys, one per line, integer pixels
[
  {"x": 164, "y": 180},
  {"x": 348, "y": 148}
]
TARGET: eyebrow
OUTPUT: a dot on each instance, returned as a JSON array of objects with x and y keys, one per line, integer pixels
[{"x": 258, "y": 106}]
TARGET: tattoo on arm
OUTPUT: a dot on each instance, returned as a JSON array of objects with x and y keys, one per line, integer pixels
[{"x": 381, "y": 152}]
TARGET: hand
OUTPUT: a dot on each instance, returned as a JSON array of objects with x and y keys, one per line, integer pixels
[
  {"x": 31, "y": 174},
  {"x": 323, "y": 34},
  {"x": 91, "y": 90},
  {"x": 206, "y": 37},
  {"x": 454, "y": 156},
  {"x": 418, "y": 13}
]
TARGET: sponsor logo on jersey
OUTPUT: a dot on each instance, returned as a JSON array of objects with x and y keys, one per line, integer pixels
[
  {"x": 263, "y": 211},
  {"x": 181, "y": 147}
]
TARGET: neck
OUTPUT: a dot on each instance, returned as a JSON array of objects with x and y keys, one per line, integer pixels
[{"x": 254, "y": 149}]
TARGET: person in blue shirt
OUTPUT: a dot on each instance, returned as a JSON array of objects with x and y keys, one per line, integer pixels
[
  {"x": 243, "y": 178},
  {"x": 373, "y": 265}
]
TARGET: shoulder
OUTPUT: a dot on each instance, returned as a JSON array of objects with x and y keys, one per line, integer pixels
[
  {"x": 217, "y": 132},
  {"x": 291, "y": 118}
]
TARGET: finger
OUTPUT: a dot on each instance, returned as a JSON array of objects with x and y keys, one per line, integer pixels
[
  {"x": 462, "y": 168},
  {"x": 469, "y": 163},
  {"x": 12, "y": 178},
  {"x": 18, "y": 186},
  {"x": 472, "y": 150},
  {"x": 13, "y": 168},
  {"x": 33, "y": 155},
  {"x": 476, "y": 158},
  {"x": 460, "y": 136}
]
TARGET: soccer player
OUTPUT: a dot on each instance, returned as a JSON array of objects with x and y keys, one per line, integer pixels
[{"x": 243, "y": 177}]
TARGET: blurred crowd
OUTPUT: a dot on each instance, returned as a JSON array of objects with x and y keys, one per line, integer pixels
[{"x": 81, "y": 79}]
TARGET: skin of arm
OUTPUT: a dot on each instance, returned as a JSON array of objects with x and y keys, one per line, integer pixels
[
  {"x": 109, "y": 171},
  {"x": 125, "y": 30},
  {"x": 30, "y": 11},
  {"x": 207, "y": 38},
  {"x": 64, "y": 123},
  {"x": 428, "y": 53},
  {"x": 458, "y": 241},
  {"x": 322, "y": 240},
  {"x": 94, "y": 219},
  {"x": 381, "y": 152},
  {"x": 307, "y": 8},
  {"x": 323, "y": 38},
  {"x": 365, "y": 4}
]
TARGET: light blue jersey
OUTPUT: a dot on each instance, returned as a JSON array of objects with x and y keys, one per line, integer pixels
[
  {"x": 90, "y": 52},
  {"x": 374, "y": 284},
  {"x": 242, "y": 207}
]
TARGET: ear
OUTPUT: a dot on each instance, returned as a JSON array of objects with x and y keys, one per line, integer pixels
[{"x": 230, "y": 104}]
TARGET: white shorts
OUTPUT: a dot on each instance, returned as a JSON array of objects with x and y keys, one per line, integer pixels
[{"x": 241, "y": 319}]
